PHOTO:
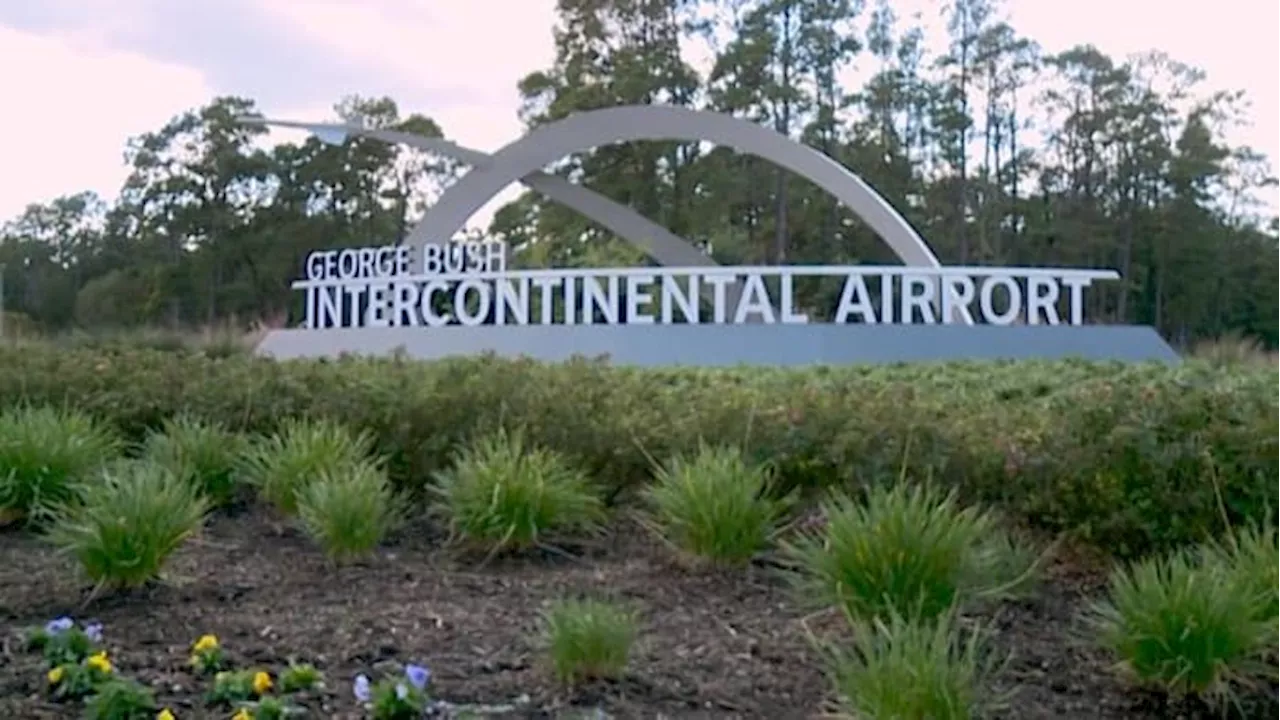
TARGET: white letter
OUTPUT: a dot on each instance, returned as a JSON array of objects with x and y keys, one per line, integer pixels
[
  {"x": 547, "y": 284},
  {"x": 956, "y": 296},
  {"x": 1076, "y": 285},
  {"x": 513, "y": 295},
  {"x": 922, "y": 301},
  {"x": 718, "y": 284},
  {"x": 673, "y": 296},
  {"x": 755, "y": 299},
  {"x": 1046, "y": 301},
  {"x": 789, "y": 316},
  {"x": 404, "y": 304},
  {"x": 495, "y": 256},
  {"x": 428, "y": 311},
  {"x": 431, "y": 264},
  {"x": 988, "y": 306},
  {"x": 593, "y": 298},
  {"x": 330, "y": 307},
  {"x": 316, "y": 264},
  {"x": 403, "y": 259},
  {"x": 465, "y": 316},
  {"x": 355, "y": 293},
  {"x": 375, "y": 312},
  {"x": 854, "y": 298},
  {"x": 637, "y": 297}
]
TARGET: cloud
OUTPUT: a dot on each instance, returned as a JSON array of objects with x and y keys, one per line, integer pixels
[{"x": 72, "y": 105}]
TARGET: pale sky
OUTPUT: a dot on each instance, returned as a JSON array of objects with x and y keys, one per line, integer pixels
[{"x": 81, "y": 76}]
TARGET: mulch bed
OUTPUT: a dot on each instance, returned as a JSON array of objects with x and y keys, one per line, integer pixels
[{"x": 713, "y": 644}]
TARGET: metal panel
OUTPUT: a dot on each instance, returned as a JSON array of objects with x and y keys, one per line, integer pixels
[{"x": 729, "y": 345}]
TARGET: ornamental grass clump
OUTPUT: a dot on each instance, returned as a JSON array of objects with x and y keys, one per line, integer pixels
[
  {"x": 349, "y": 510},
  {"x": 45, "y": 455},
  {"x": 502, "y": 494},
  {"x": 896, "y": 668},
  {"x": 128, "y": 523},
  {"x": 715, "y": 506},
  {"x": 588, "y": 639},
  {"x": 204, "y": 453},
  {"x": 1188, "y": 626},
  {"x": 1252, "y": 557},
  {"x": 906, "y": 550},
  {"x": 283, "y": 463}
]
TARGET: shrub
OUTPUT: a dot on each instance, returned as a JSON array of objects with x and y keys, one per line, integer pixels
[
  {"x": 899, "y": 669},
  {"x": 206, "y": 453},
  {"x": 1252, "y": 557},
  {"x": 45, "y": 454},
  {"x": 283, "y": 463},
  {"x": 129, "y": 523},
  {"x": 588, "y": 639},
  {"x": 715, "y": 506},
  {"x": 349, "y": 510},
  {"x": 504, "y": 495},
  {"x": 907, "y": 550},
  {"x": 1184, "y": 627}
]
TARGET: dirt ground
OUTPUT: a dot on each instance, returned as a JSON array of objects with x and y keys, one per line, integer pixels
[{"x": 712, "y": 645}]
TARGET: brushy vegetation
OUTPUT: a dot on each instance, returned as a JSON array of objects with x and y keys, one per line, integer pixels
[
  {"x": 283, "y": 463},
  {"x": 205, "y": 453},
  {"x": 715, "y": 506},
  {"x": 503, "y": 494},
  {"x": 348, "y": 511},
  {"x": 45, "y": 454},
  {"x": 1174, "y": 467},
  {"x": 906, "y": 550},
  {"x": 128, "y": 522},
  {"x": 1188, "y": 624},
  {"x": 588, "y": 639},
  {"x": 1133, "y": 458},
  {"x": 901, "y": 669}
]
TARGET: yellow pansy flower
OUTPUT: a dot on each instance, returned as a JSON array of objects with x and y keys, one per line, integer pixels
[
  {"x": 98, "y": 661},
  {"x": 206, "y": 643},
  {"x": 165, "y": 715},
  {"x": 261, "y": 682},
  {"x": 55, "y": 675},
  {"x": 242, "y": 714}
]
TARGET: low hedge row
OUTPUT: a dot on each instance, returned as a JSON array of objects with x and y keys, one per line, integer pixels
[{"x": 1133, "y": 458}]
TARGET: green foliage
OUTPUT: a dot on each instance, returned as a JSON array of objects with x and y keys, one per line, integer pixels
[
  {"x": 907, "y": 550},
  {"x": 299, "y": 677},
  {"x": 121, "y": 699},
  {"x": 349, "y": 510},
  {"x": 1132, "y": 458},
  {"x": 45, "y": 453},
  {"x": 899, "y": 669},
  {"x": 231, "y": 686},
  {"x": 1252, "y": 557},
  {"x": 505, "y": 495},
  {"x": 128, "y": 523},
  {"x": 283, "y": 463},
  {"x": 205, "y": 453},
  {"x": 1186, "y": 627},
  {"x": 715, "y": 506},
  {"x": 588, "y": 639}
]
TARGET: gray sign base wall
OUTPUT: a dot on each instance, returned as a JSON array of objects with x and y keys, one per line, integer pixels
[{"x": 730, "y": 345}]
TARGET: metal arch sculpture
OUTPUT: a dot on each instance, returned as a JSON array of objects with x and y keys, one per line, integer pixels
[
  {"x": 586, "y": 130},
  {"x": 661, "y": 244}
]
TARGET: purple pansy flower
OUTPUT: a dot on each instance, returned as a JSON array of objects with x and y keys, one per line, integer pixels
[
  {"x": 361, "y": 688},
  {"x": 58, "y": 626},
  {"x": 93, "y": 631},
  {"x": 418, "y": 676}
]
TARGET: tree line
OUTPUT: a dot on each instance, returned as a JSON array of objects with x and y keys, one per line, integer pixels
[{"x": 998, "y": 152}]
